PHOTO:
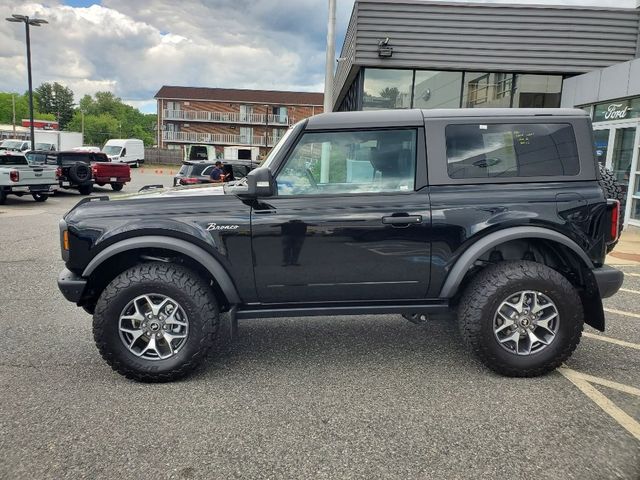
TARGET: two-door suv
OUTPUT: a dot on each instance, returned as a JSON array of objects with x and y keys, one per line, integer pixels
[{"x": 497, "y": 213}]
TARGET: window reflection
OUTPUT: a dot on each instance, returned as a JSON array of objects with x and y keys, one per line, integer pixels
[
  {"x": 386, "y": 89},
  {"x": 437, "y": 89},
  {"x": 487, "y": 90},
  {"x": 537, "y": 91}
]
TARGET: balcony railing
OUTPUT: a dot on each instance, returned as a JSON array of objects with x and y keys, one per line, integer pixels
[
  {"x": 218, "y": 138},
  {"x": 225, "y": 117}
]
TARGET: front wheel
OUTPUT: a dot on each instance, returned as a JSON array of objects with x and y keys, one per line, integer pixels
[
  {"x": 155, "y": 322},
  {"x": 39, "y": 197},
  {"x": 522, "y": 319}
]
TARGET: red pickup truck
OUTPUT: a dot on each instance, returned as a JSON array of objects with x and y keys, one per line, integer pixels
[{"x": 116, "y": 174}]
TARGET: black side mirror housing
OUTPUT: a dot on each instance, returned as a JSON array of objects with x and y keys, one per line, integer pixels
[{"x": 260, "y": 183}]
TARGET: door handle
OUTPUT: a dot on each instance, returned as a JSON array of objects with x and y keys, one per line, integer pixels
[{"x": 405, "y": 220}]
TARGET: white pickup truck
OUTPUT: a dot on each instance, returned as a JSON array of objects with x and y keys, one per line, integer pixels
[{"x": 17, "y": 177}]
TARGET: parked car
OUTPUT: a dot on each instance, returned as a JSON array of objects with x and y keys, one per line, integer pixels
[
  {"x": 86, "y": 149},
  {"x": 125, "y": 150},
  {"x": 504, "y": 221},
  {"x": 14, "y": 145},
  {"x": 46, "y": 146},
  {"x": 112, "y": 173},
  {"x": 74, "y": 168},
  {"x": 194, "y": 172},
  {"x": 18, "y": 177}
]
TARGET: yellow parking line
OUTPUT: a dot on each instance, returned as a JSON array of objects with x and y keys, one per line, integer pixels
[
  {"x": 621, "y": 312},
  {"x": 581, "y": 381},
  {"x": 633, "y": 274},
  {"x": 602, "y": 338},
  {"x": 629, "y": 290}
]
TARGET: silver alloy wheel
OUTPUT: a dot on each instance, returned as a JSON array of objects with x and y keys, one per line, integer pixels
[
  {"x": 153, "y": 326},
  {"x": 526, "y": 322}
]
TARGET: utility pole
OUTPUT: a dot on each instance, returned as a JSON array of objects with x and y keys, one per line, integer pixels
[
  {"x": 328, "y": 86},
  {"x": 13, "y": 105},
  {"x": 331, "y": 55},
  {"x": 36, "y": 22}
]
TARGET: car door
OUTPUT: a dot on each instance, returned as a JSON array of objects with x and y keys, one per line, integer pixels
[{"x": 347, "y": 222}]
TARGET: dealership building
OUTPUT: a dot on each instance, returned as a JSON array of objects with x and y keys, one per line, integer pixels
[{"x": 415, "y": 54}]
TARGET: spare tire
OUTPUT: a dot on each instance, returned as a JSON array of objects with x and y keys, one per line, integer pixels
[
  {"x": 79, "y": 173},
  {"x": 613, "y": 190}
]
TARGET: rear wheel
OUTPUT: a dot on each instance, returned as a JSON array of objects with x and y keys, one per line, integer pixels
[
  {"x": 39, "y": 197},
  {"x": 117, "y": 186},
  {"x": 522, "y": 319},
  {"x": 155, "y": 322},
  {"x": 85, "y": 189},
  {"x": 3, "y": 197}
]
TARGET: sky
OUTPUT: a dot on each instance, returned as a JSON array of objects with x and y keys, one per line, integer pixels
[{"x": 133, "y": 47}]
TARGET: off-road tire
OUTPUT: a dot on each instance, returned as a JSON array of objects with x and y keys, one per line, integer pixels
[
  {"x": 612, "y": 189},
  {"x": 39, "y": 197},
  {"x": 117, "y": 186},
  {"x": 483, "y": 297},
  {"x": 85, "y": 189},
  {"x": 184, "y": 286},
  {"x": 79, "y": 172}
]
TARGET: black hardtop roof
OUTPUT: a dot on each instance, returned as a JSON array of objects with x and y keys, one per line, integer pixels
[{"x": 416, "y": 117}]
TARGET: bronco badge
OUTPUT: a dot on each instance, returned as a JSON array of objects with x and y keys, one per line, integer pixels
[{"x": 214, "y": 226}]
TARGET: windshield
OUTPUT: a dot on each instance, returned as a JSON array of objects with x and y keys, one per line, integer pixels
[
  {"x": 274, "y": 151},
  {"x": 112, "y": 150},
  {"x": 11, "y": 144},
  {"x": 44, "y": 146},
  {"x": 13, "y": 160}
]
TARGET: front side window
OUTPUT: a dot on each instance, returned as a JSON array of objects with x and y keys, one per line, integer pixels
[
  {"x": 350, "y": 162},
  {"x": 511, "y": 150}
]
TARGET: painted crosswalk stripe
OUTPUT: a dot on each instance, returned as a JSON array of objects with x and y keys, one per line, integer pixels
[
  {"x": 583, "y": 383},
  {"x": 621, "y": 312},
  {"x": 615, "y": 341}
]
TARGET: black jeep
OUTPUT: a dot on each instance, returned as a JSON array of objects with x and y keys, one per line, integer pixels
[
  {"x": 498, "y": 213},
  {"x": 74, "y": 168}
]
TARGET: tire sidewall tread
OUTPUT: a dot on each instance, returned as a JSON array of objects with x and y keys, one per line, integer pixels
[{"x": 175, "y": 281}]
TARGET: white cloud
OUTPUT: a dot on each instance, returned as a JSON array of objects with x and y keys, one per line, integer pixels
[{"x": 132, "y": 51}]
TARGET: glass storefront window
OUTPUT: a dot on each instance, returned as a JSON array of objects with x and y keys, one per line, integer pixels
[
  {"x": 387, "y": 88},
  {"x": 384, "y": 88},
  {"x": 623, "y": 153},
  {"x": 537, "y": 91},
  {"x": 487, "y": 90},
  {"x": 435, "y": 89}
]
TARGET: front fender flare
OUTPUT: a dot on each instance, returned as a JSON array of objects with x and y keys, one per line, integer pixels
[
  {"x": 210, "y": 263},
  {"x": 486, "y": 243}
]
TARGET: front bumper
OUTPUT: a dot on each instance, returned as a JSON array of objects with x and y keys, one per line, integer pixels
[
  {"x": 71, "y": 285},
  {"x": 609, "y": 280}
]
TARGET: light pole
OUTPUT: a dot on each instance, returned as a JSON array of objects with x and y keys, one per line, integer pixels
[{"x": 36, "y": 22}]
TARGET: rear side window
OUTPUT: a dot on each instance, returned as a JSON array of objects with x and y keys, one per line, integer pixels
[
  {"x": 511, "y": 150},
  {"x": 73, "y": 158}
]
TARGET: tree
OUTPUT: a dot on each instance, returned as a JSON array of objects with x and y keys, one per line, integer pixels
[
  {"x": 392, "y": 94},
  {"x": 57, "y": 100},
  {"x": 22, "y": 108},
  {"x": 97, "y": 128}
]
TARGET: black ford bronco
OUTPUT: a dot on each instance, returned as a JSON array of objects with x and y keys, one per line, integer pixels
[{"x": 500, "y": 214}]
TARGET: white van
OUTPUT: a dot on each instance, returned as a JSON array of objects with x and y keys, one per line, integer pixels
[{"x": 125, "y": 150}]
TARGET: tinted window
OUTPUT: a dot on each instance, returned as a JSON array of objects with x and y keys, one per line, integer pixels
[
  {"x": 13, "y": 160},
  {"x": 73, "y": 158},
  {"x": 511, "y": 150},
  {"x": 193, "y": 170},
  {"x": 350, "y": 162}
]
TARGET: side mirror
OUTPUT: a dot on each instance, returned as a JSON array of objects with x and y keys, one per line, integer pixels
[{"x": 260, "y": 183}]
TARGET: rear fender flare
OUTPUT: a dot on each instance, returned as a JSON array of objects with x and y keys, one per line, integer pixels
[
  {"x": 486, "y": 243},
  {"x": 210, "y": 263}
]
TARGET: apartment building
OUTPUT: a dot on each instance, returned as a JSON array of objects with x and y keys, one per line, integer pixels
[{"x": 230, "y": 117}]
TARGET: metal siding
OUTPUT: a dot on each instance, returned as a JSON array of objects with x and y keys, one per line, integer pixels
[{"x": 481, "y": 37}]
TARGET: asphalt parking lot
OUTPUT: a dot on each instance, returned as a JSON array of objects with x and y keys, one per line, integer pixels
[{"x": 343, "y": 397}]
